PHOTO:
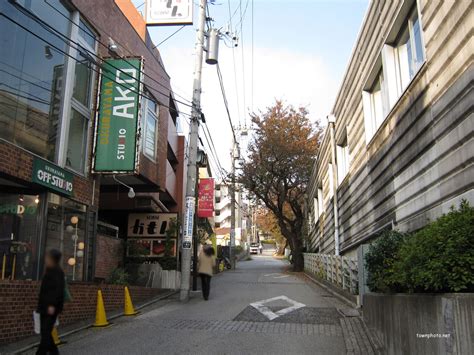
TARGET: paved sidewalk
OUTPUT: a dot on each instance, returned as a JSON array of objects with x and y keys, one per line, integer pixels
[{"x": 259, "y": 308}]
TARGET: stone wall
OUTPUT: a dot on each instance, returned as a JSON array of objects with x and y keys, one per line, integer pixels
[
  {"x": 18, "y": 300},
  {"x": 422, "y": 324}
]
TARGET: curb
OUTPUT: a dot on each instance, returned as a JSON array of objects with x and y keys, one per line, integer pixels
[
  {"x": 331, "y": 291},
  {"x": 121, "y": 314}
]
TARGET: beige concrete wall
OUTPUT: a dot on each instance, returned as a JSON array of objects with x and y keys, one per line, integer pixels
[{"x": 420, "y": 161}]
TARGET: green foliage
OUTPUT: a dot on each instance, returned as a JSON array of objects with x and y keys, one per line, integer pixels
[
  {"x": 380, "y": 260},
  {"x": 268, "y": 241},
  {"x": 168, "y": 262},
  {"x": 440, "y": 257},
  {"x": 119, "y": 277},
  {"x": 437, "y": 258}
]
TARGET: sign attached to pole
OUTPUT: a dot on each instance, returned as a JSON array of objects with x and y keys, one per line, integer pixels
[
  {"x": 169, "y": 12},
  {"x": 189, "y": 223},
  {"x": 52, "y": 176},
  {"x": 115, "y": 146},
  {"x": 206, "y": 198}
]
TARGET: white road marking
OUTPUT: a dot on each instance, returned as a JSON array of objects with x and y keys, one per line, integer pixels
[
  {"x": 280, "y": 277},
  {"x": 267, "y": 312}
]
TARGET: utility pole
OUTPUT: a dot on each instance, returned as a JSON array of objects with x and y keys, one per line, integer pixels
[
  {"x": 192, "y": 158},
  {"x": 232, "y": 205}
]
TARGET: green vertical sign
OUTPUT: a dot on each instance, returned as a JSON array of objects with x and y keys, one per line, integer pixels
[{"x": 116, "y": 137}]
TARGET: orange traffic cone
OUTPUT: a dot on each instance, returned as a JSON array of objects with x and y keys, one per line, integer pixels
[
  {"x": 128, "y": 305},
  {"x": 100, "y": 316},
  {"x": 55, "y": 335}
]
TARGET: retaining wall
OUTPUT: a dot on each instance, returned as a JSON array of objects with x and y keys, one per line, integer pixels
[
  {"x": 18, "y": 300},
  {"x": 422, "y": 324}
]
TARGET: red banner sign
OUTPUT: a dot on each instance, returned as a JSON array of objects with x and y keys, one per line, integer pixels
[{"x": 206, "y": 198}]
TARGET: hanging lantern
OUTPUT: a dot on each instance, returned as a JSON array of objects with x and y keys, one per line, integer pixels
[{"x": 71, "y": 261}]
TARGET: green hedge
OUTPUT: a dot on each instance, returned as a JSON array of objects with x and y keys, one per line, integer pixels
[{"x": 437, "y": 258}]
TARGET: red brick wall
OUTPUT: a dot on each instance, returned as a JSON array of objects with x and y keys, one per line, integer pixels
[
  {"x": 109, "y": 255},
  {"x": 18, "y": 299},
  {"x": 18, "y": 163}
]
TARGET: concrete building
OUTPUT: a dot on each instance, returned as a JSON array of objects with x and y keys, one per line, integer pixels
[
  {"x": 222, "y": 220},
  {"x": 50, "y": 194},
  {"x": 399, "y": 150}
]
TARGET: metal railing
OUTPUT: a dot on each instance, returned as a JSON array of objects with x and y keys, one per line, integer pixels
[{"x": 339, "y": 270}]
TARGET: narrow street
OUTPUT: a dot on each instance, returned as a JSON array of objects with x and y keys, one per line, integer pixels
[{"x": 227, "y": 324}]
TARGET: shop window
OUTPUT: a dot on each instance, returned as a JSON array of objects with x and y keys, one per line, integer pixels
[
  {"x": 65, "y": 231},
  {"x": 77, "y": 141},
  {"x": 150, "y": 121},
  {"x": 19, "y": 227}
]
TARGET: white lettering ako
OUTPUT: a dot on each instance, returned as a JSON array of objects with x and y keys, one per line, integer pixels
[
  {"x": 123, "y": 95},
  {"x": 122, "y": 110},
  {"x": 129, "y": 73}
]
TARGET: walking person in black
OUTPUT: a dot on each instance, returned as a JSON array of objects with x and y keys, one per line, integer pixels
[
  {"x": 206, "y": 262},
  {"x": 50, "y": 301}
]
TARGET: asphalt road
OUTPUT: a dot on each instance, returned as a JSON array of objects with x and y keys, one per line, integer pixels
[{"x": 293, "y": 317}]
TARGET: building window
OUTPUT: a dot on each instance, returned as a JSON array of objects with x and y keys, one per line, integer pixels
[
  {"x": 80, "y": 110},
  {"x": 316, "y": 210},
  {"x": 218, "y": 213},
  {"x": 31, "y": 75},
  {"x": 217, "y": 225},
  {"x": 375, "y": 102},
  {"x": 150, "y": 121},
  {"x": 218, "y": 199},
  {"x": 331, "y": 180},
  {"x": 320, "y": 201},
  {"x": 343, "y": 162},
  {"x": 405, "y": 53}
]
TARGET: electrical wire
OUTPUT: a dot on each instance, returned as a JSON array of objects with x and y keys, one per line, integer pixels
[
  {"x": 59, "y": 50},
  {"x": 81, "y": 49},
  {"x": 221, "y": 82},
  {"x": 235, "y": 68},
  {"x": 253, "y": 61},
  {"x": 171, "y": 35},
  {"x": 123, "y": 46}
]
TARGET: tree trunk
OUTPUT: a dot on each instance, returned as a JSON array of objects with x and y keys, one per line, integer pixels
[{"x": 297, "y": 255}]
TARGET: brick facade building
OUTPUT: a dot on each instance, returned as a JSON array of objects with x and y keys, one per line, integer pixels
[{"x": 50, "y": 196}]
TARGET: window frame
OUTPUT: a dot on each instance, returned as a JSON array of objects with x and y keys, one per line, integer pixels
[
  {"x": 69, "y": 102},
  {"x": 388, "y": 63},
  {"x": 146, "y": 112},
  {"x": 343, "y": 158}
]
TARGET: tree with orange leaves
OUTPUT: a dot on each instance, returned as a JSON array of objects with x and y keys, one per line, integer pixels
[{"x": 278, "y": 168}]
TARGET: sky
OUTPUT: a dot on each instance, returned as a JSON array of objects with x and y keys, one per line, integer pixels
[{"x": 300, "y": 52}]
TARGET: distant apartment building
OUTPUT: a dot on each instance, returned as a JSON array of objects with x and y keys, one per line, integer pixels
[
  {"x": 222, "y": 217},
  {"x": 399, "y": 146}
]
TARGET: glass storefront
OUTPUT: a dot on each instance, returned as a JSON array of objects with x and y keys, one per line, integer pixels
[
  {"x": 30, "y": 226},
  {"x": 65, "y": 231},
  {"x": 19, "y": 229}
]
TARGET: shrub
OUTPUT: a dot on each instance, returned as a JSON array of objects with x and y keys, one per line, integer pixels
[
  {"x": 440, "y": 257},
  {"x": 268, "y": 241},
  {"x": 119, "y": 277},
  {"x": 380, "y": 260},
  {"x": 437, "y": 258}
]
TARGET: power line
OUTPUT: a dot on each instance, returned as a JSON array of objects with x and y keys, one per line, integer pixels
[
  {"x": 171, "y": 35},
  {"x": 235, "y": 68},
  {"x": 221, "y": 82},
  {"x": 253, "y": 61},
  {"x": 77, "y": 60},
  {"x": 123, "y": 46}
]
